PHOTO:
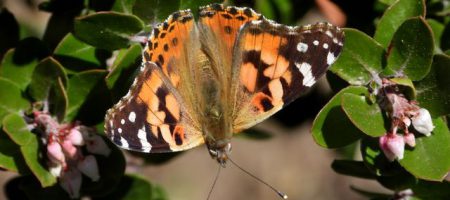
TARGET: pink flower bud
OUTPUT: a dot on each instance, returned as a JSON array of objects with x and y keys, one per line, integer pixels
[
  {"x": 55, "y": 154},
  {"x": 97, "y": 145},
  {"x": 89, "y": 167},
  {"x": 69, "y": 149},
  {"x": 406, "y": 121},
  {"x": 422, "y": 122},
  {"x": 410, "y": 139},
  {"x": 393, "y": 146},
  {"x": 70, "y": 181},
  {"x": 75, "y": 137}
]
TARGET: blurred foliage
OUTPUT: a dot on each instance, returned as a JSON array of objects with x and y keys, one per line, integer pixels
[{"x": 85, "y": 61}]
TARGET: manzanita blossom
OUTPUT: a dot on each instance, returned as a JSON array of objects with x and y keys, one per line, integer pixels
[
  {"x": 66, "y": 160},
  {"x": 422, "y": 122},
  {"x": 403, "y": 113},
  {"x": 393, "y": 146}
]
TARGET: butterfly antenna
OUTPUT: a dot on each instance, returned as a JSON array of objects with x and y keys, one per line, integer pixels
[
  {"x": 214, "y": 183},
  {"x": 281, "y": 194}
]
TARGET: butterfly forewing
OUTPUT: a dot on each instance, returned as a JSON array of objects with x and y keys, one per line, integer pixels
[
  {"x": 274, "y": 64},
  {"x": 157, "y": 115}
]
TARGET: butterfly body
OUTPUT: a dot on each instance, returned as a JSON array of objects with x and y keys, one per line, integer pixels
[{"x": 203, "y": 82}]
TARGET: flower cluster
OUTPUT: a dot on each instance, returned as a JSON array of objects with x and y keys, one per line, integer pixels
[
  {"x": 403, "y": 113},
  {"x": 66, "y": 159}
]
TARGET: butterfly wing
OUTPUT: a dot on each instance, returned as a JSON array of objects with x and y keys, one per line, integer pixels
[
  {"x": 157, "y": 114},
  {"x": 274, "y": 64}
]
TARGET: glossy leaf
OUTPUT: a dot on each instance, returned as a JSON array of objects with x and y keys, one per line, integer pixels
[
  {"x": 412, "y": 49},
  {"x": 361, "y": 59},
  {"x": 151, "y": 11},
  {"x": 10, "y": 157},
  {"x": 16, "y": 128},
  {"x": 433, "y": 92},
  {"x": 437, "y": 29},
  {"x": 57, "y": 100},
  {"x": 80, "y": 87},
  {"x": 394, "y": 16},
  {"x": 76, "y": 55},
  {"x": 406, "y": 86},
  {"x": 31, "y": 155},
  {"x": 16, "y": 72},
  {"x": 445, "y": 42},
  {"x": 430, "y": 159},
  {"x": 45, "y": 75},
  {"x": 332, "y": 128},
  {"x": 11, "y": 100},
  {"x": 123, "y": 6},
  {"x": 352, "y": 168},
  {"x": 367, "y": 116},
  {"x": 107, "y": 30}
]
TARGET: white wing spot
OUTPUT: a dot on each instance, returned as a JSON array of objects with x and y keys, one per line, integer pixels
[
  {"x": 316, "y": 42},
  {"x": 119, "y": 130},
  {"x": 305, "y": 69},
  {"x": 302, "y": 47},
  {"x": 325, "y": 45},
  {"x": 111, "y": 123},
  {"x": 329, "y": 33},
  {"x": 132, "y": 117},
  {"x": 330, "y": 58},
  {"x": 335, "y": 40},
  {"x": 124, "y": 143},
  {"x": 142, "y": 135},
  {"x": 122, "y": 121}
]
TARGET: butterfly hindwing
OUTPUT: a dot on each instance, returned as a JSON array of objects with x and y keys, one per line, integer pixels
[{"x": 275, "y": 64}]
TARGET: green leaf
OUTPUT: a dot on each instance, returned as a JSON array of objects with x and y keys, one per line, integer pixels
[
  {"x": 80, "y": 87},
  {"x": 18, "y": 73},
  {"x": 445, "y": 42},
  {"x": 76, "y": 55},
  {"x": 411, "y": 50},
  {"x": 155, "y": 10},
  {"x": 194, "y": 5},
  {"x": 123, "y": 69},
  {"x": 367, "y": 116},
  {"x": 107, "y": 30},
  {"x": 361, "y": 59},
  {"x": 437, "y": 29},
  {"x": 133, "y": 187},
  {"x": 372, "y": 195},
  {"x": 433, "y": 92},
  {"x": 57, "y": 100},
  {"x": 16, "y": 128},
  {"x": 352, "y": 168},
  {"x": 11, "y": 100},
  {"x": 394, "y": 16},
  {"x": 45, "y": 75},
  {"x": 123, "y": 6},
  {"x": 430, "y": 159},
  {"x": 31, "y": 153},
  {"x": 10, "y": 157},
  {"x": 332, "y": 128}
]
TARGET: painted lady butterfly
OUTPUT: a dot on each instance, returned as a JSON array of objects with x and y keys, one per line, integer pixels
[{"x": 202, "y": 82}]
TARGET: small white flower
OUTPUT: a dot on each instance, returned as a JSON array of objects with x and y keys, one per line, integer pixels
[
  {"x": 55, "y": 169},
  {"x": 422, "y": 122},
  {"x": 55, "y": 153},
  {"x": 70, "y": 181},
  {"x": 89, "y": 167},
  {"x": 393, "y": 146},
  {"x": 75, "y": 137}
]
